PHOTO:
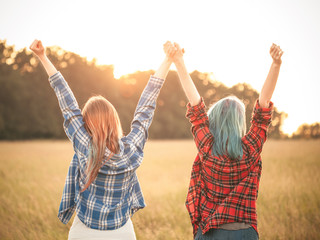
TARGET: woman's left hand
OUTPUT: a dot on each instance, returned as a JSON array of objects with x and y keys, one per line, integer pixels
[{"x": 276, "y": 54}]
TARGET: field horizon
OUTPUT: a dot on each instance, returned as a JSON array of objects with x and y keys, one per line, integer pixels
[{"x": 32, "y": 175}]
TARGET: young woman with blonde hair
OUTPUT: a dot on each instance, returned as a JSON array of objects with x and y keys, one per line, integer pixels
[
  {"x": 225, "y": 177},
  {"x": 102, "y": 185}
]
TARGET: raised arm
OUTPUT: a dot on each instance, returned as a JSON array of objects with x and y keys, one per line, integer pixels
[
  {"x": 185, "y": 79},
  {"x": 262, "y": 112},
  {"x": 146, "y": 106},
  {"x": 73, "y": 120},
  {"x": 271, "y": 81},
  {"x": 38, "y": 50},
  {"x": 163, "y": 70},
  {"x": 196, "y": 110}
]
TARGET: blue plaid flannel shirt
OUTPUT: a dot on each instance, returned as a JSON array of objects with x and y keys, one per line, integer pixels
[{"x": 115, "y": 194}]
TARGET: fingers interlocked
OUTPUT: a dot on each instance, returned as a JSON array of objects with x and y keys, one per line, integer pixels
[
  {"x": 173, "y": 50},
  {"x": 169, "y": 49}
]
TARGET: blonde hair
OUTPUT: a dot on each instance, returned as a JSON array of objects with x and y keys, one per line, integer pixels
[{"x": 102, "y": 122}]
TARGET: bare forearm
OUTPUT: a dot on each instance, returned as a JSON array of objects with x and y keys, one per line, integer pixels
[
  {"x": 269, "y": 85},
  {"x": 187, "y": 83},
  {"x": 163, "y": 69},
  {"x": 48, "y": 66}
]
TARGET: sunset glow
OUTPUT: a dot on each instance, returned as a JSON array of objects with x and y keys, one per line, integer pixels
[{"x": 230, "y": 39}]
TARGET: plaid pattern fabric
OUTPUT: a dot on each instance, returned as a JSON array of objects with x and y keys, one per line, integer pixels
[
  {"x": 115, "y": 194},
  {"x": 222, "y": 190}
]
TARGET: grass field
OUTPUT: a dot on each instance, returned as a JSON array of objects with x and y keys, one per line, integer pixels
[{"x": 32, "y": 175}]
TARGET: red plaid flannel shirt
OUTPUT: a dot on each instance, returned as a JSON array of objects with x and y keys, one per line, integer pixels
[{"x": 222, "y": 190}]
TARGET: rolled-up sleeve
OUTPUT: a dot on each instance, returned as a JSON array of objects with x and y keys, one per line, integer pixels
[
  {"x": 198, "y": 118},
  {"x": 144, "y": 112},
  {"x": 73, "y": 120},
  {"x": 260, "y": 121}
]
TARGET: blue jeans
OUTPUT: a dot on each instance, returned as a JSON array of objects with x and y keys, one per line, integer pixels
[{"x": 222, "y": 234}]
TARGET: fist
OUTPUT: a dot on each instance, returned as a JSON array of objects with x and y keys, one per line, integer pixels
[
  {"x": 37, "y": 48},
  {"x": 276, "y": 53}
]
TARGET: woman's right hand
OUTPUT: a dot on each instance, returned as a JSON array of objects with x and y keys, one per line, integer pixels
[{"x": 37, "y": 48}]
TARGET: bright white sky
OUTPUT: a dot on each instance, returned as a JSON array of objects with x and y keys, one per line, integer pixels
[{"x": 229, "y": 38}]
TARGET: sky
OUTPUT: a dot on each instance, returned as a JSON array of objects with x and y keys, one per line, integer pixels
[{"x": 229, "y": 38}]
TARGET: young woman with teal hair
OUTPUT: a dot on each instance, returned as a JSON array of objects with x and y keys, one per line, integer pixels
[{"x": 225, "y": 177}]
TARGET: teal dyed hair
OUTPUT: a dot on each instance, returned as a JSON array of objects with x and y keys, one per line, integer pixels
[{"x": 227, "y": 123}]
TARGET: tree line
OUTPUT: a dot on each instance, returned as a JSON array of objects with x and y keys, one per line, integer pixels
[{"x": 29, "y": 108}]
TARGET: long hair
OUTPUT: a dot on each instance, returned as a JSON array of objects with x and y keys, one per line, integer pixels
[
  {"x": 227, "y": 123},
  {"x": 102, "y": 122}
]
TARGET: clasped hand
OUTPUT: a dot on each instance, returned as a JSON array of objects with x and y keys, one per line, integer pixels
[{"x": 173, "y": 51}]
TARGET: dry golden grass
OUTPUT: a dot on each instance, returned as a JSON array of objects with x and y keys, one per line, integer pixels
[{"x": 32, "y": 176}]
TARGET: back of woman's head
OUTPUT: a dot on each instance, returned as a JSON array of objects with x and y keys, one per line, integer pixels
[
  {"x": 227, "y": 123},
  {"x": 102, "y": 122}
]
